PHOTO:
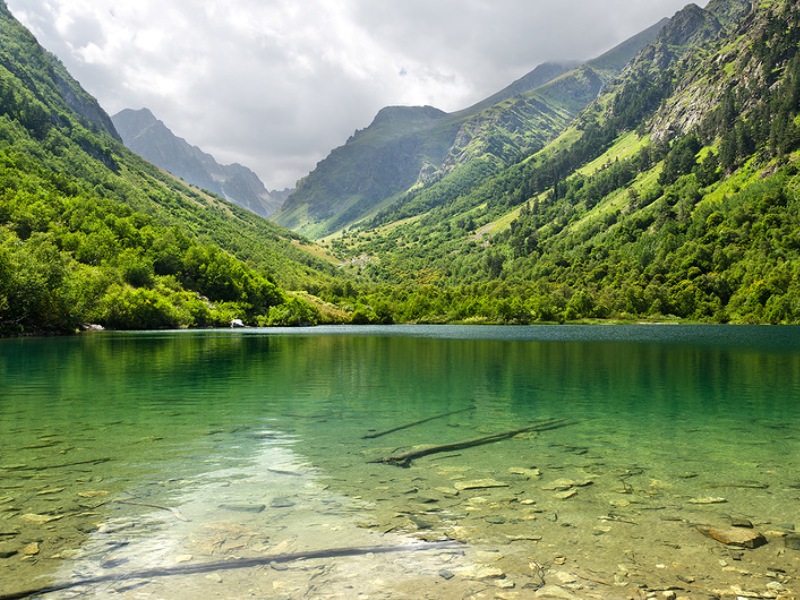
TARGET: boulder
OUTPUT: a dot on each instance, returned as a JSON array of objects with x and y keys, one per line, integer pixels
[{"x": 734, "y": 536}]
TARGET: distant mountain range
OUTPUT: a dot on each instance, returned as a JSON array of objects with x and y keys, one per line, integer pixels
[
  {"x": 406, "y": 150},
  {"x": 151, "y": 139}
]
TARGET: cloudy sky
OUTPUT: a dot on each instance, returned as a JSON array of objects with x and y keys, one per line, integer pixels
[{"x": 276, "y": 84}]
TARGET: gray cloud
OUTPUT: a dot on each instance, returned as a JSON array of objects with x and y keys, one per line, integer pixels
[{"x": 276, "y": 84}]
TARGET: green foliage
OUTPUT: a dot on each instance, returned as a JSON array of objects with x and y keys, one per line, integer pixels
[
  {"x": 291, "y": 313},
  {"x": 90, "y": 233}
]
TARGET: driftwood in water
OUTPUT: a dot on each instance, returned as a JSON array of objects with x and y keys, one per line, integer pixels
[
  {"x": 404, "y": 459},
  {"x": 372, "y": 436}
]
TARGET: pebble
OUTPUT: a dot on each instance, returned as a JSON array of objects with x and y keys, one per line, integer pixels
[
  {"x": 31, "y": 549},
  {"x": 567, "y": 495},
  {"x": 709, "y": 500},
  {"x": 281, "y": 503},
  {"x": 529, "y": 473}
]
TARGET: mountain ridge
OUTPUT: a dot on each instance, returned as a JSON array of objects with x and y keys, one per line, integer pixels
[
  {"x": 150, "y": 138},
  {"x": 400, "y": 153}
]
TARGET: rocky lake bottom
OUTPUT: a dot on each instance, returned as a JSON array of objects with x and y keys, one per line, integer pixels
[{"x": 177, "y": 500}]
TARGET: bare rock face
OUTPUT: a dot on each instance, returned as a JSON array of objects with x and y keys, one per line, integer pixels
[{"x": 734, "y": 536}]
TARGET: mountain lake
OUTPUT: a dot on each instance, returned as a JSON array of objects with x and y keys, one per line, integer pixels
[{"x": 643, "y": 461}]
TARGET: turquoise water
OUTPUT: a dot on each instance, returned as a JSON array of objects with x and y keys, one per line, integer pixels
[{"x": 130, "y": 459}]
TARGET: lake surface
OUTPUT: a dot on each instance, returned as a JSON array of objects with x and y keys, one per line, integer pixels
[{"x": 229, "y": 464}]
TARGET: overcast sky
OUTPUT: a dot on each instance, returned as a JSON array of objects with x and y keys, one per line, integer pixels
[{"x": 276, "y": 84}]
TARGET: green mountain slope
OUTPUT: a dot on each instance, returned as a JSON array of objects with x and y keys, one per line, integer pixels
[
  {"x": 675, "y": 194},
  {"x": 90, "y": 233},
  {"x": 412, "y": 157}
]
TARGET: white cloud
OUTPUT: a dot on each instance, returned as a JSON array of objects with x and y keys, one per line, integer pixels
[{"x": 276, "y": 84}]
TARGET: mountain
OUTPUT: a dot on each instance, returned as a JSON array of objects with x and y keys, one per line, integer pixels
[
  {"x": 152, "y": 140},
  {"x": 408, "y": 150},
  {"x": 673, "y": 195},
  {"x": 92, "y": 233}
]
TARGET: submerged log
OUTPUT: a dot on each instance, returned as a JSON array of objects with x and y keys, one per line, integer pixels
[
  {"x": 228, "y": 565},
  {"x": 404, "y": 459},
  {"x": 372, "y": 436}
]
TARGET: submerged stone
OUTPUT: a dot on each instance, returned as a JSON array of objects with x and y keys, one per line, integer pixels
[
  {"x": 480, "y": 572},
  {"x": 735, "y": 536},
  {"x": 792, "y": 541},
  {"x": 559, "y": 485},
  {"x": 40, "y": 519},
  {"x": 496, "y": 520},
  {"x": 566, "y": 495},
  {"x": 529, "y": 473}
]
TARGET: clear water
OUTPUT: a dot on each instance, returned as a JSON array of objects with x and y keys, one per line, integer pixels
[{"x": 180, "y": 464}]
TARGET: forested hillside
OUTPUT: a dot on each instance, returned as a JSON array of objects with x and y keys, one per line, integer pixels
[
  {"x": 664, "y": 190},
  {"x": 90, "y": 233},
  {"x": 674, "y": 194}
]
